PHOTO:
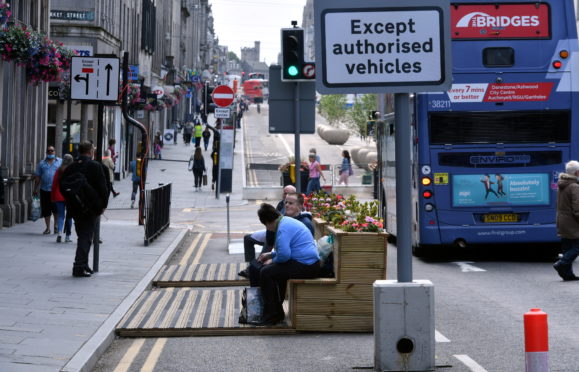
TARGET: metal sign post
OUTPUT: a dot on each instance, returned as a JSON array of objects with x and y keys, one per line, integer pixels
[{"x": 403, "y": 309}]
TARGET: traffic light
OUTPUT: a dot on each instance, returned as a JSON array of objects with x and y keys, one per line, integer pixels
[
  {"x": 208, "y": 104},
  {"x": 292, "y": 49}
]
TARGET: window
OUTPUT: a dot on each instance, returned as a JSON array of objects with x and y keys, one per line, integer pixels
[
  {"x": 498, "y": 57},
  {"x": 499, "y": 127}
]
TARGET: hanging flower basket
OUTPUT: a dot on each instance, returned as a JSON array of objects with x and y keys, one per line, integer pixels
[{"x": 44, "y": 59}]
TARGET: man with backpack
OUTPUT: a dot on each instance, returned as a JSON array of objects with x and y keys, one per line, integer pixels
[{"x": 84, "y": 187}]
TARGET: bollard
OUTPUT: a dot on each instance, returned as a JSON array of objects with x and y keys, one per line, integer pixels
[
  {"x": 227, "y": 203},
  {"x": 536, "y": 341}
]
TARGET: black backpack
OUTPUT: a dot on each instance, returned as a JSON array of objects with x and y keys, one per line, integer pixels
[{"x": 81, "y": 198}]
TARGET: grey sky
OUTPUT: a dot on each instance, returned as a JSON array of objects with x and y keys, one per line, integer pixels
[{"x": 239, "y": 23}]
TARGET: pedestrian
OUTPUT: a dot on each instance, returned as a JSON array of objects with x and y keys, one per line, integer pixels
[
  {"x": 135, "y": 178},
  {"x": 313, "y": 151},
  {"x": 198, "y": 134},
  {"x": 110, "y": 168},
  {"x": 345, "y": 168},
  {"x": 111, "y": 148},
  {"x": 295, "y": 257},
  {"x": 187, "y": 133},
  {"x": 280, "y": 207},
  {"x": 214, "y": 168},
  {"x": 197, "y": 165},
  {"x": 314, "y": 175},
  {"x": 44, "y": 176},
  {"x": 97, "y": 194},
  {"x": 157, "y": 149},
  {"x": 568, "y": 220},
  {"x": 63, "y": 217},
  {"x": 206, "y": 137}
]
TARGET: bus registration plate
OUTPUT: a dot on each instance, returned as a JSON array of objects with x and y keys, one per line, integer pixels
[{"x": 500, "y": 217}]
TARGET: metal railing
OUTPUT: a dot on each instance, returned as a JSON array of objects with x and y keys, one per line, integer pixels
[{"x": 157, "y": 211}]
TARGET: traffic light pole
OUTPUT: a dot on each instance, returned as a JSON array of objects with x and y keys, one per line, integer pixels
[{"x": 297, "y": 128}]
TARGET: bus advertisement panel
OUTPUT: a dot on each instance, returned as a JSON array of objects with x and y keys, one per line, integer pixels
[{"x": 475, "y": 190}]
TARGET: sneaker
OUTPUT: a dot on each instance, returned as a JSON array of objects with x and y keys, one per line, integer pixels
[
  {"x": 132, "y": 204},
  {"x": 46, "y": 232},
  {"x": 564, "y": 271},
  {"x": 115, "y": 194},
  {"x": 67, "y": 239},
  {"x": 244, "y": 273},
  {"x": 59, "y": 239}
]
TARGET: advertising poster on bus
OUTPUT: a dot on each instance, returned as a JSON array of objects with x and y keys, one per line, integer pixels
[{"x": 472, "y": 190}]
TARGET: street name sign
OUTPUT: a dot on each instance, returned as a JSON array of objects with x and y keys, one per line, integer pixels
[
  {"x": 222, "y": 113},
  {"x": 392, "y": 47},
  {"x": 222, "y": 95},
  {"x": 94, "y": 79}
]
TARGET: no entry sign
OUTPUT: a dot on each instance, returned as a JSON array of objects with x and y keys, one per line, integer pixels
[{"x": 222, "y": 95}]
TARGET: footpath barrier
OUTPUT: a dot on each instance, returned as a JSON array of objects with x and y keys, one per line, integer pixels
[{"x": 157, "y": 211}]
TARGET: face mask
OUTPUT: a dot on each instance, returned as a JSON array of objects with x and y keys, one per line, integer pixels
[{"x": 50, "y": 156}]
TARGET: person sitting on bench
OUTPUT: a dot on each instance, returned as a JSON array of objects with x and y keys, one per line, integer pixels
[{"x": 295, "y": 257}]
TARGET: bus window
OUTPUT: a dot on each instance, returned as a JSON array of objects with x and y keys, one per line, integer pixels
[{"x": 498, "y": 57}]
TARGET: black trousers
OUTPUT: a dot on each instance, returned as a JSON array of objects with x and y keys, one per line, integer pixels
[
  {"x": 273, "y": 281},
  {"x": 84, "y": 227},
  {"x": 197, "y": 175}
]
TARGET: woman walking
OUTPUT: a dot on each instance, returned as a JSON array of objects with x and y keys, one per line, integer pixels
[
  {"x": 346, "y": 168},
  {"x": 197, "y": 165},
  {"x": 315, "y": 174},
  {"x": 206, "y": 136},
  {"x": 57, "y": 198}
]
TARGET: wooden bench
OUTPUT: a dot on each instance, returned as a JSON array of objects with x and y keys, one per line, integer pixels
[{"x": 343, "y": 303}]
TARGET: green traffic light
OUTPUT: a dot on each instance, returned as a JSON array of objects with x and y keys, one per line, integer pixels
[{"x": 292, "y": 71}]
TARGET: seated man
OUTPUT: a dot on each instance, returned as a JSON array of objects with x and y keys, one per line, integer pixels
[
  {"x": 259, "y": 237},
  {"x": 294, "y": 207},
  {"x": 295, "y": 257}
]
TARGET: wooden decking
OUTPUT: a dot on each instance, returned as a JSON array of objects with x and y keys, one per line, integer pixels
[{"x": 201, "y": 275}]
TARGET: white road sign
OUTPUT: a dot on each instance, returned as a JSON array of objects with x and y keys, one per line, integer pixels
[
  {"x": 222, "y": 113},
  {"x": 94, "y": 78},
  {"x": 396, "y": 47}
]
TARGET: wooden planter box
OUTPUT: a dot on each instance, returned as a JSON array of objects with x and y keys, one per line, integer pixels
[
  {"x": 343, "y": 303},
  {"x": 319, "y": 227}
]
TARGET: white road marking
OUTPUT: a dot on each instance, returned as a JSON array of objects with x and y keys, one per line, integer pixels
[
  {"x": 465, "y": 266},
  {"x": 471, "y": 364},
  {"x": 439, "y": 337},
  {"x": 289, "y": 150}
]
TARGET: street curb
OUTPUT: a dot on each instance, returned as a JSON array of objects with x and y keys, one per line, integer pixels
[{"x": 85, "y": 359}]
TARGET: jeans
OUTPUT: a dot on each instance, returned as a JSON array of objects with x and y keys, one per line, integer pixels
[
  {"x": 570, "y": 248},
  {"x": 62, "y": 222},
  {"x": 136, "y": 185},
  {"x": 313, "y": 185}
]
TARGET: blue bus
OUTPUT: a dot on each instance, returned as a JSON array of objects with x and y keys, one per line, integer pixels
[{"x": 487, "y": 153}]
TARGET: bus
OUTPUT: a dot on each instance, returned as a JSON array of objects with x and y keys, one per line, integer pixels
[
  {"x": 487, "y": 153},
  {"x": 256, "y": 90}
]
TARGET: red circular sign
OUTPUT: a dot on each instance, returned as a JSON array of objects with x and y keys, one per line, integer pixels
[
  {"x": 309, "y": 70},
  {"x": 222, "y": 95}
]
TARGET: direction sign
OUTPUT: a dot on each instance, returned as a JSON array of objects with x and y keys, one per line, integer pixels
[
  {"x": 400, "y": 46},
  {"x": 222, "y": 113},
  {"x": 94, "y": 78},
  {"x": 309, "y": 70},
  {"x": 222, "y": 95}
]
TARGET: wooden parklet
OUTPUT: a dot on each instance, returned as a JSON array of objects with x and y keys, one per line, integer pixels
[
  {"x": 319, "y": 227},
  {"x": 343, "y": 303}
]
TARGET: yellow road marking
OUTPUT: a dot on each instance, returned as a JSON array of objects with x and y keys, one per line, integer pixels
[
  {"x": 190, "y": 250},
  {"x": 154, "y": 355},
  {"x": 129, "y": 357},
  {"x": 201, "y": 249}
]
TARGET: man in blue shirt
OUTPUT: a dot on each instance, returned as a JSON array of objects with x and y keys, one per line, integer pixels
[
  {"x": 295, "y": 257},
  {"x": 44, "y": 175}
]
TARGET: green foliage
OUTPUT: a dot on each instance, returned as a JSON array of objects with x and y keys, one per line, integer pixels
[
  {"x": 333, "y": 108},
  {"x": 233, "y": 57},
  {"x": 358, "y": 114}
]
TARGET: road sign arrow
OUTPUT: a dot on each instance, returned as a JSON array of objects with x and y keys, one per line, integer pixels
[
  {"x": 108, "y": 67},
  {"x": 78, "y": 78}
]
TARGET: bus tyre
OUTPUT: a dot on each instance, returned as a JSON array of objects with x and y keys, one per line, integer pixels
[{"x": 420, "y": 251}]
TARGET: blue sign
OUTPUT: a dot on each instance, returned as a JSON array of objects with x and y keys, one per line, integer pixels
[
  {"x": 474, "y": 190},
  {"x": 133, "y": 72},
  {"x": 195, "y": 78}
]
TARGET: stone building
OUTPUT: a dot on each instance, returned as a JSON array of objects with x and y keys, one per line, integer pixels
[{"x": 169, "y": 42}]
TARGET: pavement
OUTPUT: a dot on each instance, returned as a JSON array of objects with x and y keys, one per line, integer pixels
[{"x": 51, "y": 321}]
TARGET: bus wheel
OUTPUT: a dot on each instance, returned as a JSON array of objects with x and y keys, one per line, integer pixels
[{"x": 420, "y": 251}]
